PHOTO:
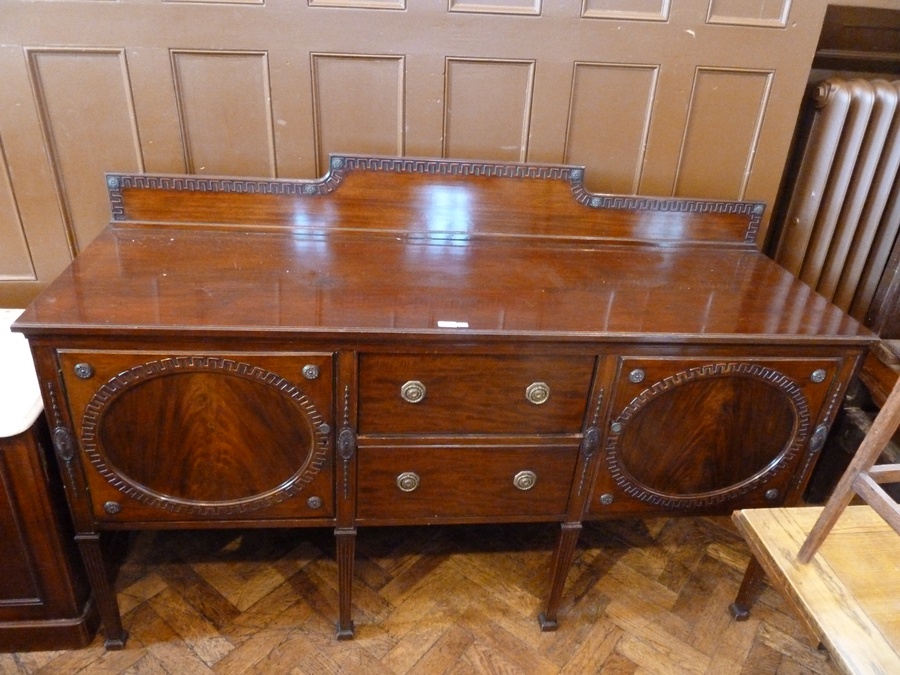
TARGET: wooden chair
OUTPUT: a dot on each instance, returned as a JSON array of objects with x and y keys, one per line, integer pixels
[
  {"x": 844, "y": 596},
  {"x": 863, "y": 478}
]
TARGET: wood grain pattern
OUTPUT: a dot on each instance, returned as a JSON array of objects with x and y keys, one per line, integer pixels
[
  {"x": 496, "y": 404},
  {"x": 463, "y": 482},
  {"x": 650, "y": 596},
  {"x": 389, "y": 252},
  {"x": 842, "y": 591}
]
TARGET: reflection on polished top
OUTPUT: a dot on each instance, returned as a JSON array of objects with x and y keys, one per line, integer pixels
[{"x": 375, "y": 248}]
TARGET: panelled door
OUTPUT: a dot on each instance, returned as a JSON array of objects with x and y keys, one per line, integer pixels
[{"x": 665, "y": 97}]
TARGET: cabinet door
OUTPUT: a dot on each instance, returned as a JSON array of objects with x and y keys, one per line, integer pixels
[
  {"x": 167, "y": 436},
  {"x": 709, "y": 434}
]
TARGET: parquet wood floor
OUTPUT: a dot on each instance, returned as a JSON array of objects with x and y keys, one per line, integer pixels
[{"x": 643, "y": 597}]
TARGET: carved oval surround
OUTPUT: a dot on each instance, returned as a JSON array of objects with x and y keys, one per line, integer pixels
[
  {"x": 785, "y": 415},
  {"x": 281, "y": 413}
]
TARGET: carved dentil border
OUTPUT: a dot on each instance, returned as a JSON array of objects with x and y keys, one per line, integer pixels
[
  {"x": 633, "y": 488},
  {"x": 341, "y": 165},
  {"x": 122, "y": 382}
]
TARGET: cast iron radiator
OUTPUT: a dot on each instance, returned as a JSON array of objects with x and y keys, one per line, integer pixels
[{"x": 842, "y": 213}]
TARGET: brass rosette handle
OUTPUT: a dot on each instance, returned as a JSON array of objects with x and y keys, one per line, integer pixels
[
  {"x": 413, "y": 392},
  {"x": 537, "y": 393},
  {"x": 525, "y": 480},
  {"x": 408, "y": 481}
]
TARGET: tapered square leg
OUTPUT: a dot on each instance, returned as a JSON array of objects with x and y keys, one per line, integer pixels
[
  {"x": 748, "y": 592},
  {"x": 559, "y": 572},
  {"x": 104, "y": 590},
  {"x": 345, "y": 540}
]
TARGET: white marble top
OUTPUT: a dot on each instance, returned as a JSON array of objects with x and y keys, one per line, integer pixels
[{"x": 20, "y": 394}]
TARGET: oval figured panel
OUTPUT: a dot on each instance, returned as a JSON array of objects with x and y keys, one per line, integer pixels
[
  {"x": 707, "y": 434},
  {"x": 210, "y": 435}
]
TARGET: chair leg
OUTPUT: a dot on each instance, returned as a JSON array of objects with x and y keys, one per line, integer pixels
[
  {"x": 749, "y": 591},
  {"x": 883, "y": 428}
]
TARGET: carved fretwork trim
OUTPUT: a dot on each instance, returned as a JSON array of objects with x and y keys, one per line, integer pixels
[
  {"x": 119, "y": 384},
  {"x": 753, "y": 210},
  {"x": 341, "y": 165},
  {"x": 635, "y": 489}
]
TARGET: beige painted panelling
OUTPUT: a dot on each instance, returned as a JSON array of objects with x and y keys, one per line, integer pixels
[
  {"x": 488, "y": 105},
  {"x": 225, "y": 129},
  {"x": 270, "y": 87},
  {"x": 761, "y": 13},
  {"x": 532, "y": 7},
  {"x": 84, "y": 102},
  {"x": 598, "y": 129},
  {"x": 727, "y": 109},
  {"x": 360, "y": 4},
  {"x": 222, "y": 2},
  {"x": 343, "y": 122},
  {"x": 15, "y": 259},
  {"x": 636, "y": 10}
]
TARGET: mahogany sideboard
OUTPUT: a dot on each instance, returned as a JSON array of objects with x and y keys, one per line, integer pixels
[{"x": 411, "y": 341}]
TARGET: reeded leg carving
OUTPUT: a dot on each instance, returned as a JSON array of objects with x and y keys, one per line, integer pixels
[
  {"x": 750, "y": 588},
  {"x": 562, "y": 560},
  {"x": 104, "y": 591},
  {"x": 345, "y": 541}
]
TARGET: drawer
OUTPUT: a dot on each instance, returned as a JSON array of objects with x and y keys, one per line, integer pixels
[
  {"x": 471, "y": 394},
  {"x": 422, "y": 484}
]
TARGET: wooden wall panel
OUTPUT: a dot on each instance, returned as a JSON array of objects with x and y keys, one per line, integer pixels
[
  {"x": 760, "y": 13},
  {"x": 532, "y": 7},
  {"x": 360, "y": 4},
  {"x": 15, "y": 258},
  {"x": 224, "y": 104},
  {"x": 340, "y": 83},
  {"x": 627, "y": 88},
  {"x": 635, "y": 10},
  {"x": 488, "y": 104},
  {"x": 87, "y": 117},
  {"x": 727, "y": 110},
  {"x": 597, "y": 127}
]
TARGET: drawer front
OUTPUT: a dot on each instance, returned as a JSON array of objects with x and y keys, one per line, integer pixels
[
  {"x": 711, "y": 434},
  {"x": 423, "y": 484},
  {"x": 472, "y": 394},
  {"x": 170, "y": 436}
]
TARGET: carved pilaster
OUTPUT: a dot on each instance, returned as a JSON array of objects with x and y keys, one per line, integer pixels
[
  {"x": 590, "y": 442},
  {"x": 346, "y": 444},
  {"x": 63, "y": 443}
]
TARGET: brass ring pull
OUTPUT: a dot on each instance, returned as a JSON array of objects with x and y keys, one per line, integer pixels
[
  {"x": 537, "y": 393},
  {"x": 413, "y": 392},
  {"x": 525, "y": 480},
  {"x": 408, "y": 481}
]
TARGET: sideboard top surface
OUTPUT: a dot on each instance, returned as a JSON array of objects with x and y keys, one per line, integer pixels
[{"x": 376, "y": 252}]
